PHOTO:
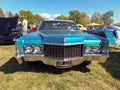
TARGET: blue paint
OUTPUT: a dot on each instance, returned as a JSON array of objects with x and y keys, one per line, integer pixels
[
  {"x": 62, "y": 39},
  {"x": 28, "y": 39}
]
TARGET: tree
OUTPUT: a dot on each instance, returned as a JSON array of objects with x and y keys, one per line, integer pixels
[
  {"x": 74, "y": 15},
  {"x": 28, "y": 15},
  {"x": 79, "y": 17},
  {"x": 84, "y": 19},
  {"x": 107, "y": 18},
  {"x": 62, "y": 17},
  {"x": 1, "y": 13},
  {"x": 96, "y": 18},
  {"x": 37, "y": 19}
]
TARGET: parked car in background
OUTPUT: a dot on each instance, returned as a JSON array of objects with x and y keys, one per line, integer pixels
[
  {"x": 82, "y": 28},
  {"x": 8, "y": 29},
  {"x": 60, "y": 43},
  {"x": 100, "y": 30}
]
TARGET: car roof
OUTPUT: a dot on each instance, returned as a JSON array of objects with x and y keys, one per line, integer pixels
[{"x": 60, "y": 20}]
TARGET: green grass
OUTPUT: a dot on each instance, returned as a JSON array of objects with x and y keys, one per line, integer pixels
[{"x": 37, "y": 76}]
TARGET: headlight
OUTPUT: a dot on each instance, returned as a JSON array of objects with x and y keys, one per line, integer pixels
[
  {"x": 37, "y": 49},
  {"x": 87, "y": 49},
  {"x": 96, "y": 49},
  {"x": 92, "y": 49},
  {"x": 33, "y": 49},
  {"x": 29, "y": 49}
]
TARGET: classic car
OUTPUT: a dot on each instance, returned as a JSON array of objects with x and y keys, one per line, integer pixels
[
  {"x": 81, "y": 27},
  {"x": 8, "y": 30},
  {"x": 100, "y": 30},
  {"x": 61, "y": 44}
]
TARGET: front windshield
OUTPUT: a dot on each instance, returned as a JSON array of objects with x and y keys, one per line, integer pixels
[{"x": 58, "y": 25}]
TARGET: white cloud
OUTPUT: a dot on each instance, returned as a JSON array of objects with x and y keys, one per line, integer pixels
[
  {"x": 56, "y": 15},
  {"x": 49, "y": 16},
  {"x": 46, "y": 15}
]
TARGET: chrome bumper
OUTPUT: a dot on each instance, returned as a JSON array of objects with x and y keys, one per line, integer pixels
[{"x": 61, "y": 63}]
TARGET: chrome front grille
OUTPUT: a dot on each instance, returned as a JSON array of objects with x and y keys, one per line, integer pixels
[{"x": 63, "y": 52}]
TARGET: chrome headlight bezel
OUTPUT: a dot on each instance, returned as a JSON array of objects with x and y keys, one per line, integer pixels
[
  {"x": 32, "y": 49},
  {"x": 92, "y": 50}
]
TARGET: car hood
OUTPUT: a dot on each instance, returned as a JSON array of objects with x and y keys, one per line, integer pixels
[
  {"x": 70, "y": 38},
  {"x": 57, "y": 39},
  {"x": 7, "y": 24}
]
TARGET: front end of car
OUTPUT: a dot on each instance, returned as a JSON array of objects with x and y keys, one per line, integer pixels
[
  {"x": 60, "y": 43},
  {"x": 62, "y": 51}
]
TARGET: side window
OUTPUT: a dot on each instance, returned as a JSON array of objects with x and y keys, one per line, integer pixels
[{"x": 102, "y": 34}]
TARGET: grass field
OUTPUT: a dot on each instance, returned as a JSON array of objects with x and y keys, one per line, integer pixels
[{"x": 37, "y": 76}]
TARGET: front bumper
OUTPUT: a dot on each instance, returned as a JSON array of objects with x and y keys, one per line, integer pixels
[{"x": 61, "y": 63}]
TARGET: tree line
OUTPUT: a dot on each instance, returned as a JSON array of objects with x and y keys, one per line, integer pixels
[
  {"x": 75, "y": 15},
  {"x": 31, "y": 18}
]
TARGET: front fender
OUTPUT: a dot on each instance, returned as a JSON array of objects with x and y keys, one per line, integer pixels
[{"x": 28, "y": 39}]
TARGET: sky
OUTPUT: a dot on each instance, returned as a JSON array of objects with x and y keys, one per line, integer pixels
[{"x": 52, "y": 8}]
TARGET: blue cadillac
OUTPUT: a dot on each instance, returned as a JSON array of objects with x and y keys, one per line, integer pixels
[{"x": 60, "y": 43}]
